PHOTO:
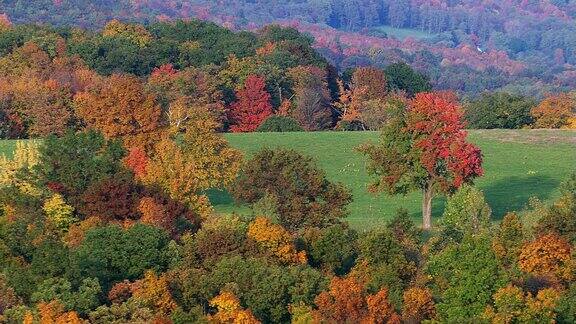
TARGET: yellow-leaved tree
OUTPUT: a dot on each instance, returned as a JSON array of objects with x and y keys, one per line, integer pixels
[
  {"x": 25, "y": 157},
  {"x": 512, "y": 305},
  {"x": 134, "y": 33},
  {"x": 153, "y": 291},
  {"x": 60, "y": 214},
  {"x": 276, "y": 240},
  {"x": 230, "y": 310},
  {"x": 188, "y": 165}
]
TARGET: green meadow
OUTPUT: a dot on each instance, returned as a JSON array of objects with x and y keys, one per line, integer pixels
[
  {"x": 518, "y": 164},
  {"x": 402, "y": 33}
]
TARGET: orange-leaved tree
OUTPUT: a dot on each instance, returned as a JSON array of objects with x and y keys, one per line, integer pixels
[
  {"x": 423, "y": 147},
  {"x": 52, "y": 312},
  {"x": 548, "y": 255},
  {"x": 365, "y": 97},
  {"x": 556, "y": 111},
  {"x": 346, "y": 301},
  {"x": 276, "y": 240},
  {"x": 120, "y": 108}
]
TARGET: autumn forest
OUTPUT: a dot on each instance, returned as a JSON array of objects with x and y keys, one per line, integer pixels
[{"x": 114, "y": 128}]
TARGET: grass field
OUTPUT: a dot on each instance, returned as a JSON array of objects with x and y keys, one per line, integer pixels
[
  {"x": 518, "y": 164},
  {"x": 402, "y": 33}
]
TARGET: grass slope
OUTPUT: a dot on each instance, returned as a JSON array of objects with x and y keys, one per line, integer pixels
[
  {"x": 518, "y": 164},
  {"x": 403, "y": 33}
]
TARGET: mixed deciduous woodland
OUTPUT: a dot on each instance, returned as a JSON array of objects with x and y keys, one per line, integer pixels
[
  {"x": 526, "y": 47},
  {"x": 118, "y": 111}
]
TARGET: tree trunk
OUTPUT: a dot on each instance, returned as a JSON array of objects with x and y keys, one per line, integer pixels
[{"x": 427, "y": 207}]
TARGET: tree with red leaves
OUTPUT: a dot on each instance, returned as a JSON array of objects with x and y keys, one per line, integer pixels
[
  {"x": 424, "y": 147},
  {"x": 137, "y": 161},
  {"x": 253, "y": 105}
]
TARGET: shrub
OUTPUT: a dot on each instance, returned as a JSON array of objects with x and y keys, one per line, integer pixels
[
  {"x": 279, "y": 124},
  {"x": 303, "y": 196},
  {"x": 333, "y": 248},
  {"x": 467, "y": 211}
]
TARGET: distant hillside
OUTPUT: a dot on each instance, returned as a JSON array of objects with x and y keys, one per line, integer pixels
[{"x": 520, "y": 46}]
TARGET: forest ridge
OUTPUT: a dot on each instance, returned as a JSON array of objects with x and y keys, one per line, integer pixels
[{"x": 526, "y": 47}]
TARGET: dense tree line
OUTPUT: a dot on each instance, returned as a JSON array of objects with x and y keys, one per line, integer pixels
[
  {"x": 55, "y": 79},
  {"x": 129, "y": 81}
]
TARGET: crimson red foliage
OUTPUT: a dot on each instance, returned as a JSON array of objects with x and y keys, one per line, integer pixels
[
  {"x": 438, "y": 124},
  {"x": 253, "y": 105},
  {"x": 137, "y": 161}
]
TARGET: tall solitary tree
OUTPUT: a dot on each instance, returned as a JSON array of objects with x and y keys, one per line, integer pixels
[{"x": 423, "y": 147}]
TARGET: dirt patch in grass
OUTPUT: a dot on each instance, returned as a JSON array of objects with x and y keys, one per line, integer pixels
[{"x": 529, "y": 136}]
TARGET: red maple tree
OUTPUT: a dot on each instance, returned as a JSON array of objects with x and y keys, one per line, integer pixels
[
  {"x": 424, "y": 147},
  {"x": 437, "y": 123},
  {"x": 253, "y": 105},
  {"x": 137, "y": 161}
]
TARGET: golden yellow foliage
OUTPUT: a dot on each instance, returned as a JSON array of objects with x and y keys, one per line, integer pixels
[
  {"x": 571, "y": 123},
  {"x": 555, "y": 111},
  {"x": 202, "y": 160},
  {"x": 230, "y": 310},
  {"x": 153, "y": 291},
  {"x": 512, "y": 305},
  {"x": 133, "y": 32},
  {"x": 53, "y": 313},
  {"x": 60, "y": 214},
  {"x": 275, "y": 239},
  {"x": 28, "y": 318},
  {"x": 418, "y": 305},
  {"x": 25, "y": 158}
]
